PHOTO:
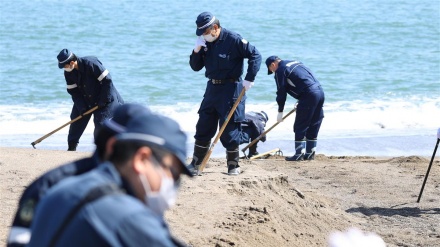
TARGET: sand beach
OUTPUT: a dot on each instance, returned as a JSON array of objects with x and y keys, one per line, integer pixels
[{"x": 274, "y": 202}]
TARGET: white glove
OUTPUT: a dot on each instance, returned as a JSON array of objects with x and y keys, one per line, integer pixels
[
  {"x": 280, "y": 117},
  {"x": 200, "y": 41},
  {"x": 355, "y": 237},
  {"x": 247, "y": 84}
]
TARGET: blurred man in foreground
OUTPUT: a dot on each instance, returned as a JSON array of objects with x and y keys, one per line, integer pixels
[
  {"x": 20, "y": 233},
  {"x": 120, "y": 203}
]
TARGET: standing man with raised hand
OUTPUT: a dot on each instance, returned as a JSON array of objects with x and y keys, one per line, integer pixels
[
  {"x": 222, "y": 53},
  {"x": 122, "y": 202},
  {"x": 90, "y": 85},
  {"x": 295, "y": 79}
]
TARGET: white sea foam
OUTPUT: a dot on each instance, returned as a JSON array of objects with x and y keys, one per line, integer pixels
[
  {"x": 342, "y": 119},
  {"x": 397, "y": 127}
]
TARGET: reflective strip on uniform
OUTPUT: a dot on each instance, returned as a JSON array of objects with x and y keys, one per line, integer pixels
[
  {"x": 19, "y": 235},
  {"x": 290, "y": 82},
  {"x": 292, "y": 63},
  {"x": 72, "y": 86},
  {"x": 104, "y": 74},
  {"x": 296, "y": 63}
]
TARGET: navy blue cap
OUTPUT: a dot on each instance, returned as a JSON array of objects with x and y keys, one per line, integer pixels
[
  {"x": 122, "y": 114},
  {"x": 270, "y": 60},
  {"x": 264, "y": 115},
  {"x": 158, "y": 131},
  {"x": 203, "y": 22},
  {"x": 64, "y": 57},
  {"x": 117, "y": 124}
]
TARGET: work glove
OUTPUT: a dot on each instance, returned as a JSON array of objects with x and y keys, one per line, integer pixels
[
  {"x": 247, "y": 84},
  {"x": 200, "y": 41},
  {"x": 280, "y": 117},
  {"x": 355, "y": 237}
]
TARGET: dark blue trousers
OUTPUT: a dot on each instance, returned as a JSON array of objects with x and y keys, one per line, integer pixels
[
  {"x": 99, "y": 116},
  {"x": 309, "y": 114},
  {"x": 214, "y": 109}
]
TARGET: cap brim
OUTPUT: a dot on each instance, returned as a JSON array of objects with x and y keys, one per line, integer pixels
[
  {"x": 269, "y": 72},
  {"x": 186, "y": 167},
  {"x": 61, "y": 65},
  {"x": 199, "y": 32}
]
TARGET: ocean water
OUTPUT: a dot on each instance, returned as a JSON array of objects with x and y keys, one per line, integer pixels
[{"x": 378, "y": 62}]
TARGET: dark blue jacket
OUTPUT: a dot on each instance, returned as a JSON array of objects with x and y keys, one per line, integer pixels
[
  {"x": 292, "y": 78},
  {"x": 223, "y": 59},
  {"x": 117, "y": 219},
  {"x": 38, "y": 188},
  {"x": 91, "y": 85}
]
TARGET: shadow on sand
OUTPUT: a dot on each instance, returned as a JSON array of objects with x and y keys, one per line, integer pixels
[{"x": 405, "y": 211}]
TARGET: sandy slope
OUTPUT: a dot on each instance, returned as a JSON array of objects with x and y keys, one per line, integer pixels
[{"x": 277, "y": 203}]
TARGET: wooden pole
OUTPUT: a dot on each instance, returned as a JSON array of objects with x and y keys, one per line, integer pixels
[
  {"x": 267, "y": 131},
  {"x": 263, "y": 154},
  {"x": 62, "y": 126}
]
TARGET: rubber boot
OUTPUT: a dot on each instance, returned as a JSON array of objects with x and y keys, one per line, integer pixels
[
  {"x": 200, "y": 150},
  {"x": 253, "y": 150},
  {"x": 310, "y": 150},
  {"x": 232, "y": 157},
  {"x": 300, "y": 149},
  {"x": 72, "y": 146}
]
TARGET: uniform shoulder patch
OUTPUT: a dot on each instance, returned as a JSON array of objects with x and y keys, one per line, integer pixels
[
  {"x": 26, "y": 212},
  {"x": 244, "y": 41}
]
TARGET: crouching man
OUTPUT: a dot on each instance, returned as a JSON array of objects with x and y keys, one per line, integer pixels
[{"x": 252, "y": 127}]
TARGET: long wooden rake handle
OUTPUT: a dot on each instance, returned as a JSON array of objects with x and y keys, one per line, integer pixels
[
  {"x": 220, "y": 132},
  {"x": 266, "y": 153},
  {"x": 64, "y": 125},
  {"x": 265, "y": 132}
]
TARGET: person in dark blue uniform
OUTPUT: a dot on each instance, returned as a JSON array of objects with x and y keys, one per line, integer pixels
[
  {"x": 253, "y": 126},
  {"x": 294, "y": 78},
  {"x": 122, "y": 201},
  {"x": 221, "y": 52},
  {"x": 20, "y": 230},
  {"x": 90, "y": 85}
]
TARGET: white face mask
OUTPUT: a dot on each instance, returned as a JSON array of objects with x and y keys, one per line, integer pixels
[
  {"x": 69, "y": 69},
  {"x": 208, "y": 37},
  {"x": 162, "y": 200}
]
